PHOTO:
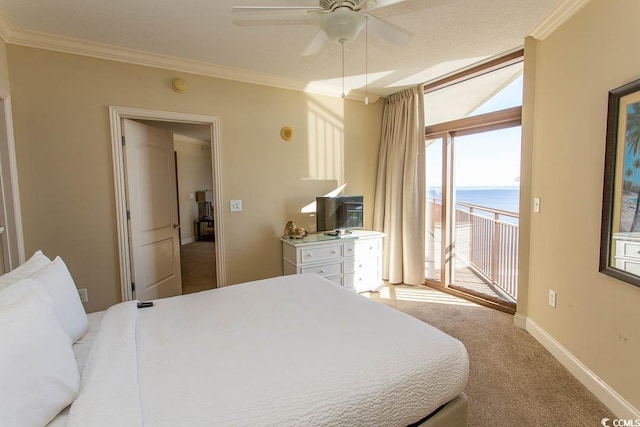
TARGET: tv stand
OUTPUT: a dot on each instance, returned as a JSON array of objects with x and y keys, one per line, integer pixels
[{"x": 351, "y": 260}]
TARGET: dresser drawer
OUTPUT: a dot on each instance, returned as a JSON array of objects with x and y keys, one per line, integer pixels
[
  {"x": 320, "y": 253},
  {"x": 325, "y": 270},
  {"x": 629, "y": 250},
  {"x": 367, "y": 248},
  {"x": 348, "y": 249},
  {"x": 361, "y": 266},
  {"x": 632, "y": 267},
  {"x": 336, "y": 279}
]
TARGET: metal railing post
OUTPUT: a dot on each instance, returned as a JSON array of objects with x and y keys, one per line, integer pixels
[{"x": 494, "y": 248}]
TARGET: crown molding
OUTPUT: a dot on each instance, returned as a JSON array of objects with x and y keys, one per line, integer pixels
[
  {"x": 5, "y": 27},
  {"x": 39, "y": 40},
  {"x": 189, "y": 140},
  {"x": 558, "y": 16}
]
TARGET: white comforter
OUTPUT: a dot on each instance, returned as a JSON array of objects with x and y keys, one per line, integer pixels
[{"x": 294, "y": 350}]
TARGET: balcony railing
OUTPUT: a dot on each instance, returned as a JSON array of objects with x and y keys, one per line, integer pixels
[{"x": 486, "y": 242}]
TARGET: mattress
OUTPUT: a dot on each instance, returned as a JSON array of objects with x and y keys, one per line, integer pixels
[{"x": 291, "y": 350}]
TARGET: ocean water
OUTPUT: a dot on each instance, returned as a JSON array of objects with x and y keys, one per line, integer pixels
[{"x": 502, "y": 198}]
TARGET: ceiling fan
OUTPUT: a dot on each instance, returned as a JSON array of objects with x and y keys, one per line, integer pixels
[{"x": 340, "y": 21}]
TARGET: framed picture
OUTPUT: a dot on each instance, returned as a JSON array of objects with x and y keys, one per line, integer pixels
[{"x": 620, "y": 230}]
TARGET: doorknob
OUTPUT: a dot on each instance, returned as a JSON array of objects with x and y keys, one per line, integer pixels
[{"x": 176, "y": 225}]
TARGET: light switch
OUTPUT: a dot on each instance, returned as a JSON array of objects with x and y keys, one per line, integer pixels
[
  {"x": 192, "y": 196},
  {"x": 235, "y": 205},
  {"x": 536, "y": 204}
]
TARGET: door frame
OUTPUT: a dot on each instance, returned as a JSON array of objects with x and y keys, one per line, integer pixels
[
  {"x": 116, "y": 114},
  {"x": 10, "y": 213}
]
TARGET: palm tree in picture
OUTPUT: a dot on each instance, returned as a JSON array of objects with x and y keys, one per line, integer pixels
[
  {"x": 636, "y": 189},
  {"x": 632, "y": 134},
  {"x": 632, "y": 146}
]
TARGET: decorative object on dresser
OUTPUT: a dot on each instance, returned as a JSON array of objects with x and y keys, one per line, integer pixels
[
  {"x": 353, "y": 260},
  {"x": 292, "y": 231}
]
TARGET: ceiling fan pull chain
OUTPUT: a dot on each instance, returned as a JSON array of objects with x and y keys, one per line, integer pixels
[{"x": 342, "y": 45}]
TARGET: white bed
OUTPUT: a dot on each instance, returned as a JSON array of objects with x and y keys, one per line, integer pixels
[{"x": 293, "y": 350}]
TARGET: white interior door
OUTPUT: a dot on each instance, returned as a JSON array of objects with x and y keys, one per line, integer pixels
[{"x": 153, "y": 205}]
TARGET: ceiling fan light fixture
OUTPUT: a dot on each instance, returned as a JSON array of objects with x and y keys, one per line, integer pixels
[{"x": 343, "y": 25}]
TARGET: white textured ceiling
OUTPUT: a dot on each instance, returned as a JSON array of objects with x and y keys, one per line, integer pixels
[{"x": 447, "y": 35}]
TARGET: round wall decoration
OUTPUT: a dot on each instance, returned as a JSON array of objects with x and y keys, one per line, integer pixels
[
  {"x": 286, "y": 133},
  {"x": 179, "y": 85}
]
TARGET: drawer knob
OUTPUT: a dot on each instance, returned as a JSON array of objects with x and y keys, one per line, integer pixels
[
  {"x": 309, "y": 255},
  {"x": 322, "y": 271},
  {"x": 333, "y": 251}
]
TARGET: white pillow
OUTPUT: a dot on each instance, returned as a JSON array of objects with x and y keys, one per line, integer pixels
[
  {"x": 33, "y": 264},
  {"x": 56, "y": 281},
  {"x": 38, "y": 372}
]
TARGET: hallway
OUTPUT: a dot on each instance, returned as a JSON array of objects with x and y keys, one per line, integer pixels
[{"x": 198, "y": 260}]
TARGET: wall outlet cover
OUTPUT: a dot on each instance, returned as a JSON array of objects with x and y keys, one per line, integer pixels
[
  {"x": 84, "y": 295},
  {"x": 552, "y": 298}
]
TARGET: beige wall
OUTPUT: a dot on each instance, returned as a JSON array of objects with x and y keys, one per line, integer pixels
[
  {"x": 60, "y": 106},
  {"x": 4, "y": 68},
  {"x": 597, "y": 318}
]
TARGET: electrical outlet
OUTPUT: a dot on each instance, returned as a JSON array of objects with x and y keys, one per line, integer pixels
[
  {"x": 552, "y": 298},
  {"x": 84, "y": 294},
  {"x": 235, "y": 205}
]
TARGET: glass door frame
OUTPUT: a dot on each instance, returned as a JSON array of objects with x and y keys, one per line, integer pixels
[{"x": 446, "y": 133}]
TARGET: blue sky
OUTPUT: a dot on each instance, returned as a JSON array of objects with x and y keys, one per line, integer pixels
[{"x": 488, "y": 159}]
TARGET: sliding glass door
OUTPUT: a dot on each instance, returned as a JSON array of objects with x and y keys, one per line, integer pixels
[
  {"x": 472, "y": 198},
  {"x": 472, "y": 143},
  {"x": 485, "y": 183},
  {"x": 433, "y": 211}
]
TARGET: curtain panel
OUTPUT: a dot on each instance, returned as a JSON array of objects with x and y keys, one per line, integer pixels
[{"x": 399, "y": 208}]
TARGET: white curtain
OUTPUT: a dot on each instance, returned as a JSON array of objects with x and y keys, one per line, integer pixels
[{"x": 400, "y": 199}]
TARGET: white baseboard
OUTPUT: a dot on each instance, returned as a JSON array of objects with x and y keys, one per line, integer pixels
[
  {"x": 187, "y": 240},
  {"x": 520, "y": 320},
  {"x": 608, "y": 396}
]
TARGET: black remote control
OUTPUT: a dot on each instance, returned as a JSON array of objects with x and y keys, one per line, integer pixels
[{"x": 144, "y": 304}]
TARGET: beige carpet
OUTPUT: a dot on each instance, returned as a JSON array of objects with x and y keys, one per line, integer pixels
[
  {"x": 198, "y": 261},
  {"x": 513, "y": 380}
]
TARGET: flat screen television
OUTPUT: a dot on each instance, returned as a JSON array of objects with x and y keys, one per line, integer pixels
[{"x": 339, "y": 213}]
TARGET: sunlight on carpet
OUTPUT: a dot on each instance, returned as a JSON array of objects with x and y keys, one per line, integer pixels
[{"x": 420, "y": 294}]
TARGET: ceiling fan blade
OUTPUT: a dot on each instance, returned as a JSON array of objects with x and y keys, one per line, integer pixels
[
  {"x": 377, "y": 4},
  {"x": 280, "y": 10},
  {"x": 386, "y": 31},
  {"x": 316, "y": 43},
  {"x": 280, "y": 21}
]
